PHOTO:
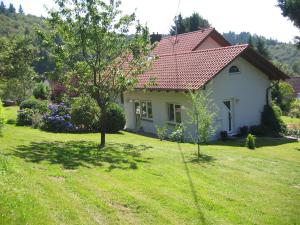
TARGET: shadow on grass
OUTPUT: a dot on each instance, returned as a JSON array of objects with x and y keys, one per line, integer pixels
[
  {"x": 260, "y": 142},
  {"x": 202, "y": 160},
  {"x": 195, "y": 197},
  {"x": 74, "y": 154}
]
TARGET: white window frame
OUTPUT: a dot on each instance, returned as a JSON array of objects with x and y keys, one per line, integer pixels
[
  {"x": 174, "y": 110},
  {"x": 147, "y": 113}
]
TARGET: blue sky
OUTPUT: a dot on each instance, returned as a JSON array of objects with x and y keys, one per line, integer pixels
[{"x": 256, "y": 16}]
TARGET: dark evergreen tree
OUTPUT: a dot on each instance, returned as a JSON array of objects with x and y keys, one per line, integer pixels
[
  {"x": 250, "y": 42},
  {"x": 155, "y": 37},
  {"x": 196, "y": 22},
  {"x": 179, "y": 27},
  {"x": 11, "y": 9},
  {"x": 21, "y": 11},
  {"x": 2, "y": 8},
  {"x": 262, "y": 49}
]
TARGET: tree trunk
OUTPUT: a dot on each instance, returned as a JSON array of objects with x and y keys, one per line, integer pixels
[{"x": 103, "y": 126}]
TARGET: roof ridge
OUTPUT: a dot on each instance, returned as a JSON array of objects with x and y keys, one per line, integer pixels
[
  {"x": 205, "y": 50},
  {"x": 188, "y": 33}
]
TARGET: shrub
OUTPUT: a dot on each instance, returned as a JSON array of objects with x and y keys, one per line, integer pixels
[
  {"x": 250, "y": 141},
  {"x": 161, "y": 132},
  {"x": 85, "y": 114},
  {"x": 177, "y": 134},
  {"x": 224, "y": 135},
  {"x": 295, "y": 110},
  {"x": 293, "y": 132},
  {"x": 34, "y": 104},
  {"x": 277, "y": 109},
  {"x": 41, "y": 91},
  {"x": 58, "y": 120},
  {"x": 25, "y": 117},
  {"x": 244, "y": 130},
  {"x": 2, "y": 118},
  {"x": 257, "y": 130},
  {"x": 271, "y": 121},
  {"x": 115, "y": 118}
]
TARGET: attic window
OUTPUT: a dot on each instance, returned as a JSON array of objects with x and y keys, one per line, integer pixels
[{"x": 234, "y": 69}]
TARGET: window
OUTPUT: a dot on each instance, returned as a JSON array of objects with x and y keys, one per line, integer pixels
[
  {"x": 234, "y": 69},
  {"x": 174, "y": 113},
  {"x": 146, "y": 110}
]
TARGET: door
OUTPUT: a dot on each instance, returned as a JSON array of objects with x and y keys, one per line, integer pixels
[
  {"x": 228, "y": 106},
  {"x": 137, "y": 113}
]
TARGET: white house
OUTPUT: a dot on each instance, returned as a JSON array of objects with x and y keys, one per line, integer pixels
[{"x": 238, "y": 76}]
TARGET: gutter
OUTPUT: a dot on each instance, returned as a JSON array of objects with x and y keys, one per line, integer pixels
[{"x": 267, "y": 91}]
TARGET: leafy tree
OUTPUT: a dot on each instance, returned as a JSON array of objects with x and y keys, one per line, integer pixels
[
  {"x": 96, "y": 57},
  {"x": 283, "y": 96},
  {"x": 2, "y": 8},
  {"x": 21, "y": 11},
  {"x": 262, "y": 49},
  {"x": 16, "y": 58},
  {"x": 188, "y": 24},
  {"x": 291, "y": 9},
  {"x": 11, "y": 9},
  {"x": 202, "y": 115}
]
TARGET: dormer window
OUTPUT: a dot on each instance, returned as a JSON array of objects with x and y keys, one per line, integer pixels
[{"x": 234, "y": 69}]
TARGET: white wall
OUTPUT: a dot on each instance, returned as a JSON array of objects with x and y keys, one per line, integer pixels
[{"x": 247, "y": 89}]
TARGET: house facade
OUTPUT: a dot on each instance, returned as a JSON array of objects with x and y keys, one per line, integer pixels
[{"x": 237, "y": 76}]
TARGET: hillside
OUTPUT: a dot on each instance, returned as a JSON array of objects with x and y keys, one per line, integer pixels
[
  {"x": 283, "y": 52},
  {"x": 12, "y": 24}
]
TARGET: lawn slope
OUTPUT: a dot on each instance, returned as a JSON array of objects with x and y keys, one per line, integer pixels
[{"x": 48, "y": 178}]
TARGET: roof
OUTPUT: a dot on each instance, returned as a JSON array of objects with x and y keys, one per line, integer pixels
[
  {"x": 193, "y": 69},
  {"x": 295, "y": 82},
  {"x": 187, "y": 41}
]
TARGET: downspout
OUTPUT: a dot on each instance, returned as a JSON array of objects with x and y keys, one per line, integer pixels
[{"x": 267, "y": 91}]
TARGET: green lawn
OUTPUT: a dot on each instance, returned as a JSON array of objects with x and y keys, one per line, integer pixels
[
  {"x": 48, "y": 178},
  {"x": 290, "y": 120}
]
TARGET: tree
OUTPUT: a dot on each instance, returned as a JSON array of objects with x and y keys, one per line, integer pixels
[
  {"x": 188, "y": 24},
  {"x": 21, "y": 11},
  {"x": 202, "y": 115},
  {"x": 250, "y": 42},
  {"x": 2, "y": 8},
  {"x": 96, "y": 57},
  {"x": 283, "y": 96},
  {"x": 291, "y": 9},
  {"x": 262, "y": 49},
  {"x": 196, "y": 22},
  {"x": 16, "y": 58},
  {"x": 11, "y": 9},
  {"x": 179, "y": 27}
]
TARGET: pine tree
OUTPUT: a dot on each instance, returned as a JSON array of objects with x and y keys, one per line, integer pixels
[
  {"x": 2, "y": 8},
  {"x": 196, "y": 22},
  {"x": 21, "y": 11},
  {"x": 11, "y": 9},
  {"x": 181, "y": 27},
  {"x": 250, "y": 42},
  {"x": 261, "y": 48}
]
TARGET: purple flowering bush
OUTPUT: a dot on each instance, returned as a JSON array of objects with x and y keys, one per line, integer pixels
[{"x": 58, "y": 120}]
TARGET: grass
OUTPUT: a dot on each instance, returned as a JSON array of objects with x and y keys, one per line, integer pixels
[
  {"x": 48, "y": 178},
  {"x": 290, "y": 120}
]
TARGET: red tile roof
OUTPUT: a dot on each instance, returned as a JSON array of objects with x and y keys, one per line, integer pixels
[
  {"x": 187, "y": 41},
  {"x": 189, "y": 70}
]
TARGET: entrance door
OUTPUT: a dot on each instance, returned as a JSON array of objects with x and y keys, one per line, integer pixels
[
  {"x": 228, "y": 115},
  {"x": 137, "y": 112}
]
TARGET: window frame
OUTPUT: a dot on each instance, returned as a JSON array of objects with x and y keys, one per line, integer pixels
[
  {"x": 146, "y": 110},
  {"x": 174, "y": 113},
  {"x": 237, "y": 72}
]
